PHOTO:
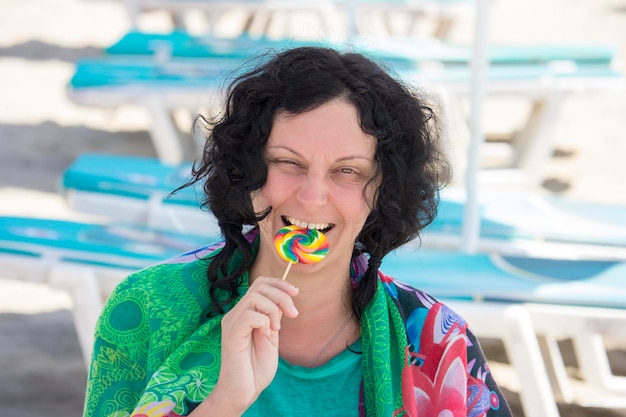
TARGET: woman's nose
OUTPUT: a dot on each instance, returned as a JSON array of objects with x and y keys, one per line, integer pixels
[{"x": 313, "y": 191}]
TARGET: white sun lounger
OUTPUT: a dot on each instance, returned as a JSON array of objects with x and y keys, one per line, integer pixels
[
  {"x": 530, "y": 222},
  {"x": 136, "y": 190},
  {"x": 191, "y": 80},
  {"x": 434, "y": 18},
  {"x": 255, "y": 16},
  {"x": 521, "y": 159},
  {"x": 193, "y": 84},
  {"x": 87, "y": 260},
  {"x": 337, "y": 19}
]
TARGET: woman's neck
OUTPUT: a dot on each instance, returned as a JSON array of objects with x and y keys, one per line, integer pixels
[
  {"x": 324, "y": 303},
  {"x": 325, "y": 324}
]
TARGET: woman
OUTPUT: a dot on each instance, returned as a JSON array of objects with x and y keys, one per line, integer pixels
[{"x": 320, "y": 140}]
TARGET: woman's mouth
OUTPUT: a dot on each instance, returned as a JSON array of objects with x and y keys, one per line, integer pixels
[{"x": 322, "y": 227}]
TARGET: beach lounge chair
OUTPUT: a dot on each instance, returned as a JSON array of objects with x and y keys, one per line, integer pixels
[
  {"x": 185, "y": 72},
  {"x": 535, "y": 219},
  {"x": 191, "y": 85},
  {"x": 524, "y": 155},
  {"x": 87, "y": 260},
  {"x": 255, "y": 17},
  {"x": 337, "y": 19},
  {"x": 424, "y": 18},
  {"x": 137, "y": 190}
]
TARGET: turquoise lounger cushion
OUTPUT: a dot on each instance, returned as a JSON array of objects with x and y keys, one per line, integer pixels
[
  {"x": 502, "y": 278},
  {"x": 524, "y": 218},
  {"x": 456, "y": 54},
  {"x": 176, "y": 74},
  {"x": 212, "y": 73},
  {"x": 107, "y": 245},
  {"x": 184, "y": 45},
  {"x": 135, "y": 177}
]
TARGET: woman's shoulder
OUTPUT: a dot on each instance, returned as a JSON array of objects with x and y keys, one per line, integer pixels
[
  {"x": 422, "y": 313},
  {"x": 404, "y": 292},
  {"x": 159, "y": 276},
  {"x": 188, "y": 265},
  {"x": 178, "y": 280},
  {"x": 410, "y": 299}
]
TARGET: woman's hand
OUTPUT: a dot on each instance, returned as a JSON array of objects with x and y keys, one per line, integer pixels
[{"x": 250, "y": 345}]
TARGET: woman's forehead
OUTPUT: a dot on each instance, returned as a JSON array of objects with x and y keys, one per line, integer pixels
[{"x": 333, "y": 125}]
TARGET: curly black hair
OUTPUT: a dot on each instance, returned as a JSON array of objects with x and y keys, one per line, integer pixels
[{"x": 410, "y": 166}]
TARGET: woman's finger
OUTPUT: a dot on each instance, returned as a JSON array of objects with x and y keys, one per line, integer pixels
[
  {"x": 280, "y": 292},
  {"x": 259, "y": 303}
]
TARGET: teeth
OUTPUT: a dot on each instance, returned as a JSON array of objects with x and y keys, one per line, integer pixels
[{"x": 300, "y": 223}]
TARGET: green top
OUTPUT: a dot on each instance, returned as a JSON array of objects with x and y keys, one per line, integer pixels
[{"x": 300, "y": 391}]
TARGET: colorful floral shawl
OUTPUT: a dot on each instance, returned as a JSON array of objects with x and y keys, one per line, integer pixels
[{"x": 157, "y": 354}]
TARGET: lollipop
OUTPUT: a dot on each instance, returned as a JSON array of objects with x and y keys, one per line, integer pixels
[{"x": 295, "y": 244}]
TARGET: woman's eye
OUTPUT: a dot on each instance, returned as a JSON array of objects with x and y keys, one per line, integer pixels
[
  {"x": 350, "y": 175},
  {"x": 347, "y": 171},
  {"x": 287, "y": 164}
]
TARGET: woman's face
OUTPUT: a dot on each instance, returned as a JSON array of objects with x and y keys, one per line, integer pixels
[{"x": 319, "y": 163}]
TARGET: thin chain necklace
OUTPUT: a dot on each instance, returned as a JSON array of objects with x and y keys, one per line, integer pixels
[{"x": 329, "y": 344}]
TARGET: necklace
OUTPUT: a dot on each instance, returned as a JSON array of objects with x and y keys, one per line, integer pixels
[{"x": 329, "y": 344}]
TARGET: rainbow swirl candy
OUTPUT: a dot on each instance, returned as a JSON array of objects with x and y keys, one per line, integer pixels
[{"x": 295, "y": 244}]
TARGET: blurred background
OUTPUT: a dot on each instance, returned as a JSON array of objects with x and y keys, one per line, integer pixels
[{"x": 43, "y": 130}]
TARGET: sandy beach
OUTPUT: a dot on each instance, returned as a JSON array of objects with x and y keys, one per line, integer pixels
[{"x": 42, "y": 132}]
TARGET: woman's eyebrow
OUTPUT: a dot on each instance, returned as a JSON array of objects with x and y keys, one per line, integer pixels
[
  {"x": 287, "y": 148},
  {"x": 350, "y": 157},
  {"x": 343, "y": 158}
]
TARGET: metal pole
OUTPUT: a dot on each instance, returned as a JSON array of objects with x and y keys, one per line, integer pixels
[{"x": 471, "y": 220}]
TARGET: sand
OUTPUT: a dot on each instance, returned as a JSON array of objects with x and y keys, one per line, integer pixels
[{"x": 41, "y": 132}]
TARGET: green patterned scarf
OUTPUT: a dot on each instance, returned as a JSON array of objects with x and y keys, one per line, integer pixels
[
  {"x": 187, "y": 364},
  {"x": 189, "y": 374}
]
